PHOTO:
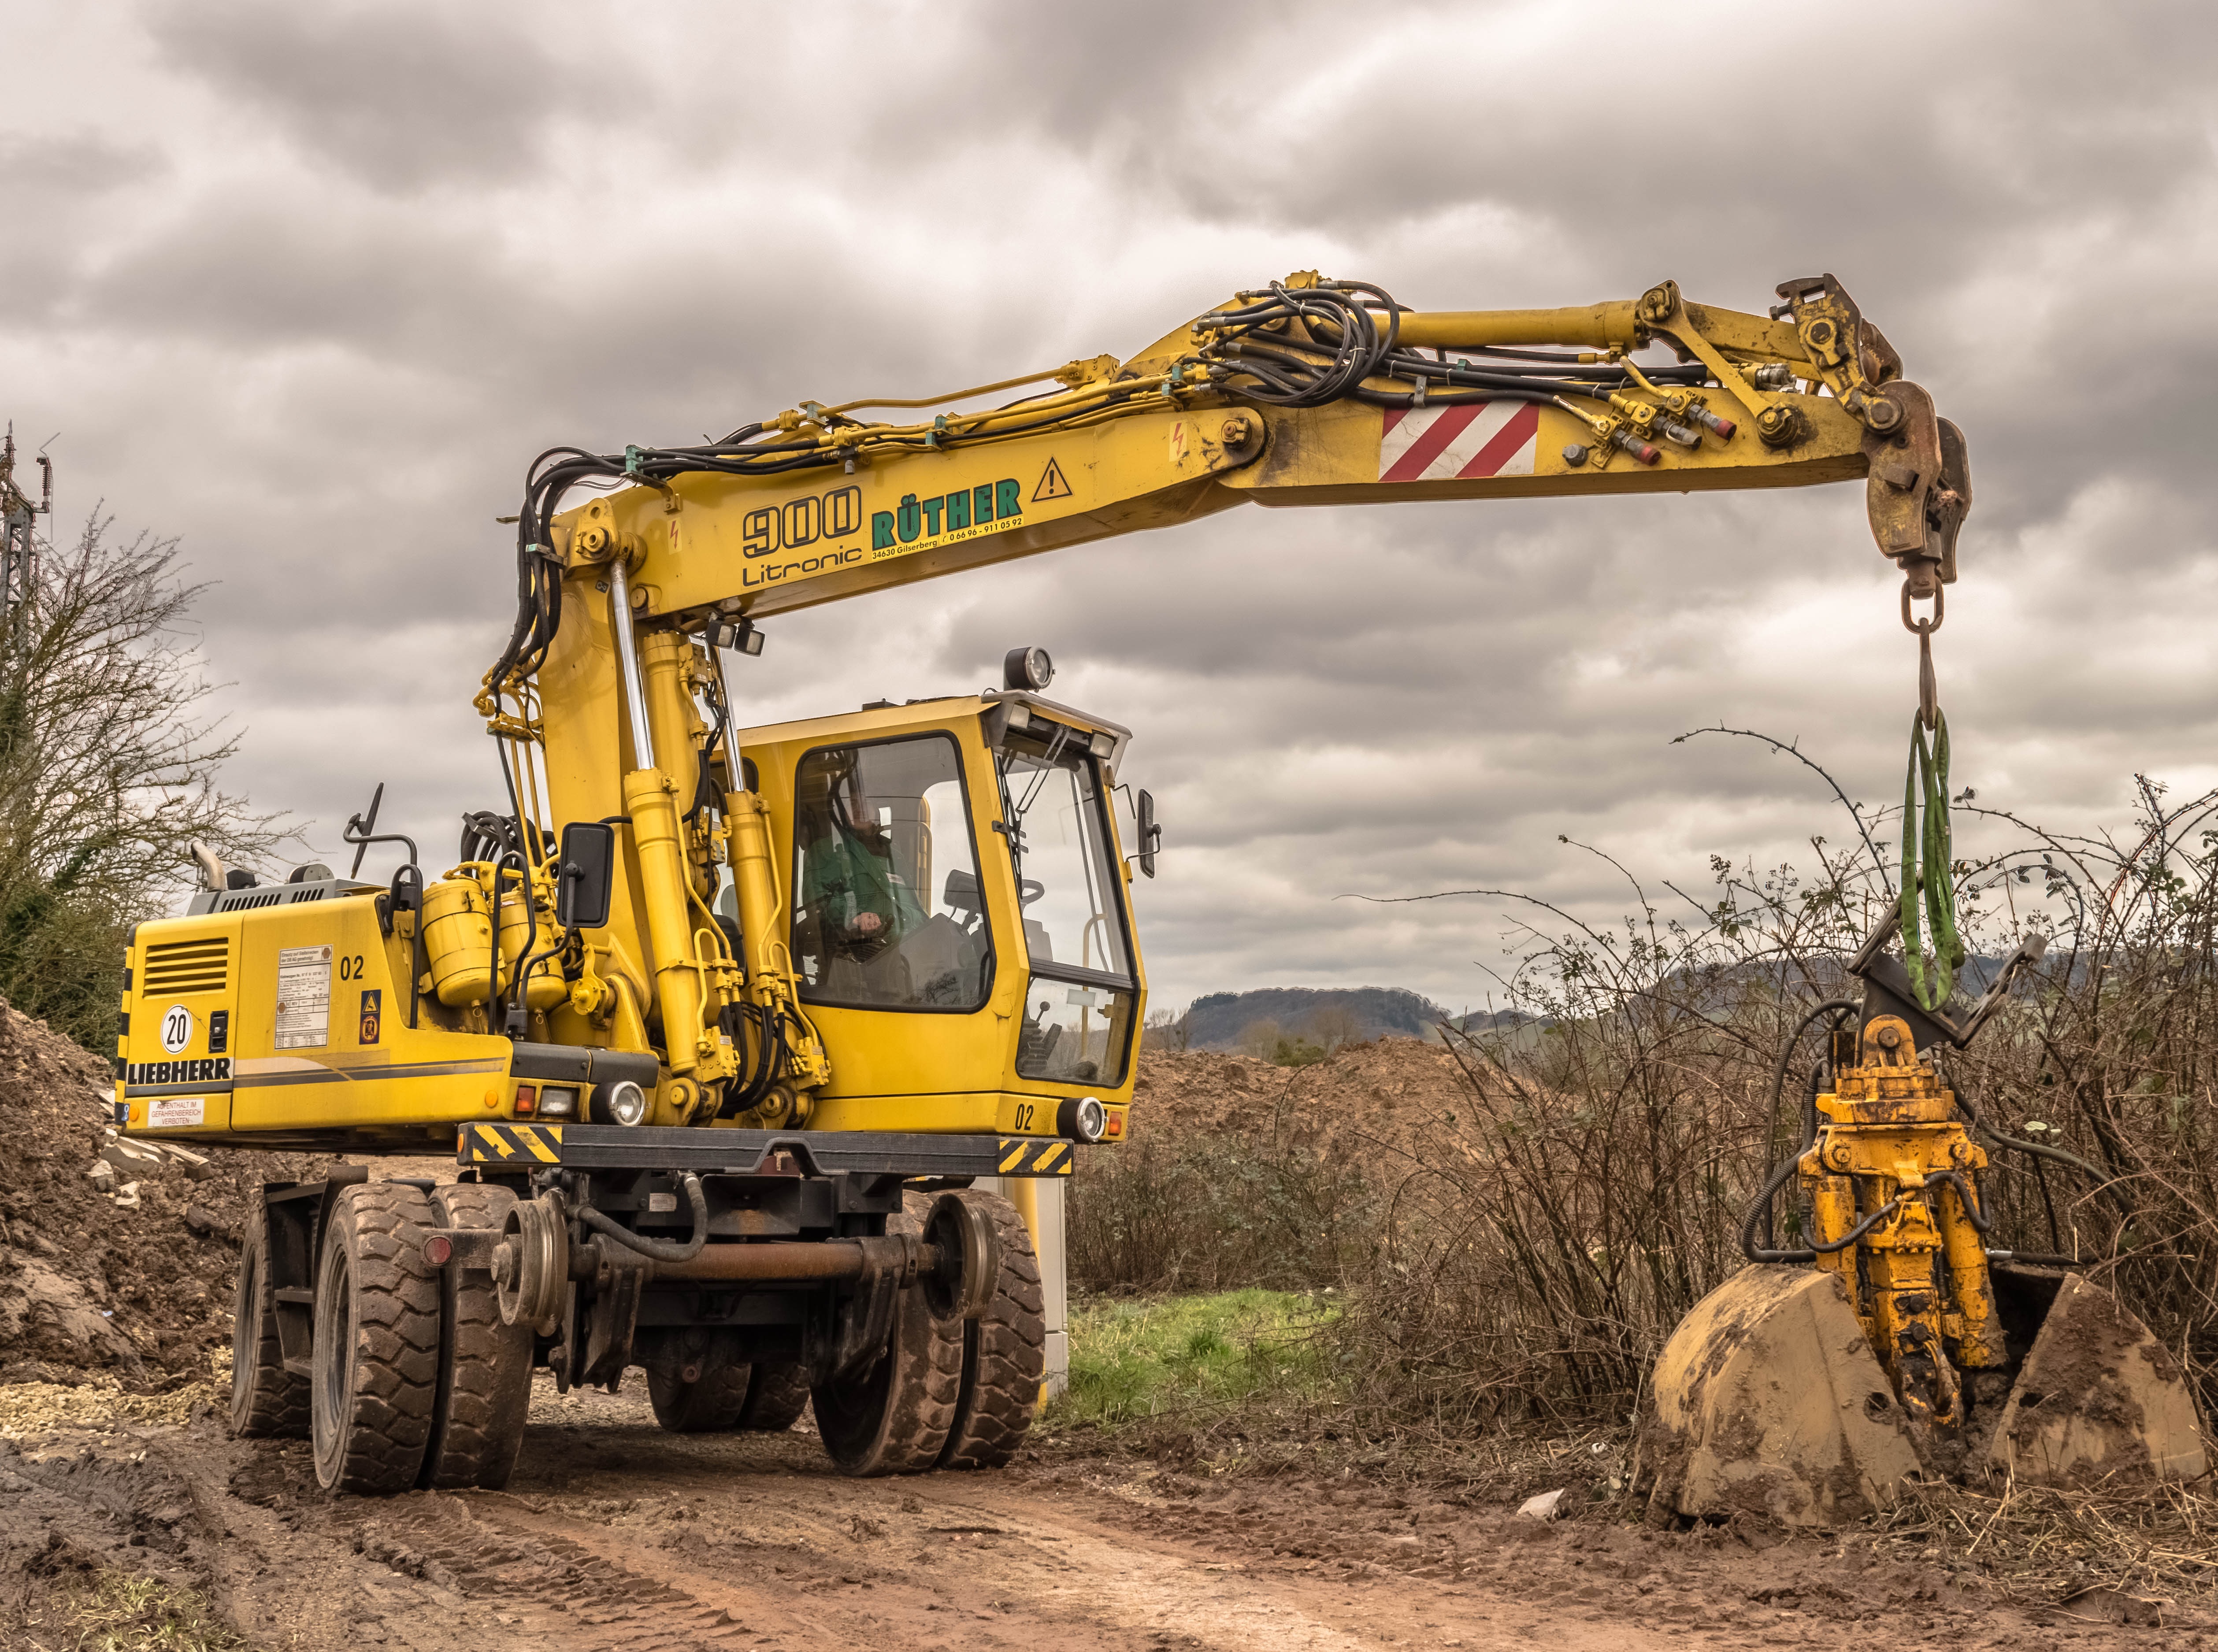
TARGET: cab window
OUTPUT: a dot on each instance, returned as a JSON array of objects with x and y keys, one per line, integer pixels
[
  {"x": 887, "y": 910},
  {"x": 1078, "y": 1009}
]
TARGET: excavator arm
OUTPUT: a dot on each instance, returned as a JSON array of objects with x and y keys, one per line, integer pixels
[{"x": 1307, "y": 392}]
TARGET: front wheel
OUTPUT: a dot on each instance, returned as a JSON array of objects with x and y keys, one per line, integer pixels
[
  {"x": 485, "y": 1367},
  {"x": 1004, "y": 1350},
  {"x": 777, "y": 1396},
  {"x": 894, "y": 1417}
]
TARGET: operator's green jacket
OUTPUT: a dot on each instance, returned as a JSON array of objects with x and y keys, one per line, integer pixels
[{"x": 843, "y": 876}]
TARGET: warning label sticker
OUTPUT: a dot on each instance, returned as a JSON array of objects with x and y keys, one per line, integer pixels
[
  {"x": 169, "y": 1112},
  {"x": 304, "y": 998},
  {"x": 1051, "y": 484}
]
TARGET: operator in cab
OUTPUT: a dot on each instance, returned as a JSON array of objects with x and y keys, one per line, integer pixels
[{"x": 860, "y": 904}]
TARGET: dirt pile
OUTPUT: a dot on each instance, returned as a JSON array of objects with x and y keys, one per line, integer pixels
[
  {"x": 117, "y": 1268},
  {"x": 1386, "y": 1097}
]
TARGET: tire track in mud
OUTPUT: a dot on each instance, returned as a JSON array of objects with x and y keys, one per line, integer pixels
[{"x": 542, "y": 1583}]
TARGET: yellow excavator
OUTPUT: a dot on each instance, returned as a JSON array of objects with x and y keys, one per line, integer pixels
[{"x": 729, "y": 1028}]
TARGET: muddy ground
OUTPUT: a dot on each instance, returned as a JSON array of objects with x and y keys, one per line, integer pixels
[
  {"x": 113, "y": 1461},
  {"x": 616, "y": 1535}
]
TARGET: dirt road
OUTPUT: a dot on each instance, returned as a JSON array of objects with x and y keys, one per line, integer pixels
[{"x": 616, "y": 1535}]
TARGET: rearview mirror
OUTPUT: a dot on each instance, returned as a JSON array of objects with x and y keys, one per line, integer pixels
[
  {"x": 586, "y": 874},
  {"x": 1151, "y": 835}
]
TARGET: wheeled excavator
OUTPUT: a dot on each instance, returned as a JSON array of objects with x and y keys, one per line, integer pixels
[{"x": 729, "y": 1028}]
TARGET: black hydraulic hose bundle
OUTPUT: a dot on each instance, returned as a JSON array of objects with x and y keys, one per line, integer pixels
[{"x": 1759, "y": 1209}]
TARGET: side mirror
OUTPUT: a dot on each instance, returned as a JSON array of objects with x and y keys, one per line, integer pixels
[
  {"x": 1151, "y": 835},
  {"x": 586, "y": 874}
]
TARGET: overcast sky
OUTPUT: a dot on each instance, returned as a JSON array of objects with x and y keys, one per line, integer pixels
[{"x": 308, "y": 285}]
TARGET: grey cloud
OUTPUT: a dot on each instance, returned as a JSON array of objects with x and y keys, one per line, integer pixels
[
  {"x": 401, "y": 98},
  {"x": 321, "y": 283}
]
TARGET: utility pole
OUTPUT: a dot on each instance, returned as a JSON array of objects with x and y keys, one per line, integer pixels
[{"x": 19, "y": 546}]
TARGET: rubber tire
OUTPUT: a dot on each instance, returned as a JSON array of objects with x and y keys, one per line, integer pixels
[
  {"x": 484, "y": 1391},
  {"x": 1004, "y": 1350},
  {"x": 376, "y": 1352},
  {"x": 894, "y": 1418},
  {"x": 713, "y": 1402},
  {"x": 267, "y": 1401},
  {"x": 776, "y": 1399}
]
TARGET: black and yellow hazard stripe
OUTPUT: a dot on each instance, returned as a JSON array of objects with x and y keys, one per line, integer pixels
[
  {"x": 1033, "y": 1155},
  {"x": 515, "y": 1144}
]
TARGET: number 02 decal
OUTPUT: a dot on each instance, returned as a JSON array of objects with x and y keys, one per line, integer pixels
[
  {"x": 1026, "y": 1112},
  {"x": 351, "y": 968}
]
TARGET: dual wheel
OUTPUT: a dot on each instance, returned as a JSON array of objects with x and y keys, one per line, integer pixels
[
  {"x": 947, "y": 1393},
  {"x": 950, "y": 1393},
  {"x": 414, "y": 1379}
]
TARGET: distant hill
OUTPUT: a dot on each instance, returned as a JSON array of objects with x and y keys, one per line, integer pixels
[{"x": 1217, "y": 1021}]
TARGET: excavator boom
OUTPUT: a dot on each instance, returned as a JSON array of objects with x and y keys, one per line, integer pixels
[{"x": 1304, "y": 393}]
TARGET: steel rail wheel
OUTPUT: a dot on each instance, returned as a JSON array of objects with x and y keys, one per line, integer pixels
[
  {"x": 376, "y": 1345},
  {"x": 1004, "y": 1350},
  {"x": 267, "y": 1401},
  {"x": 484, "y": 1390},
  {"x": 892, "y": 1417}
]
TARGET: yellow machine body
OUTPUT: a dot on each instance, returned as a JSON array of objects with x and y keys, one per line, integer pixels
[{"x": 291, "y": 1017}]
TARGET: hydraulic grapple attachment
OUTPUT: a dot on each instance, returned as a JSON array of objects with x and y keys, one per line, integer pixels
[{"x": 1808, "y": 1393}]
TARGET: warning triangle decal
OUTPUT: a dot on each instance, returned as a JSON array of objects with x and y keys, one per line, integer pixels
[{"x": 1052, "y": 484}]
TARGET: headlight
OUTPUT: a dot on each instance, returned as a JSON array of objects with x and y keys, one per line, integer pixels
[
  {"x": 1083, "y": 1120},
  {"x": 621, "y": 1103},
  {"x": 557, "y": 1103}
]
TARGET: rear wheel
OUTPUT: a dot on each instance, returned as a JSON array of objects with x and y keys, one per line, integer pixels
[
  {"x": 267, "y": 1401},
  {"x": 377, "y": 1346},
  {"x": 485, "y": 1367},
  {"x": 710, "y": 1401},
  {"x": 1004, "y": 1350},
  {"x": 892, "y": 1417},
  {"x": 777, "y": 1396}
]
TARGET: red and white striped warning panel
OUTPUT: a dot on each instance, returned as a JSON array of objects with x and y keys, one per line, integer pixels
[{"x": 1440, "y": 444}]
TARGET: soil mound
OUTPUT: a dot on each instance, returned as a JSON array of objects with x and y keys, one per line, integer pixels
[
  {"x": 1391, "y": 1095},
  {"x": 115, "y": 1268}
]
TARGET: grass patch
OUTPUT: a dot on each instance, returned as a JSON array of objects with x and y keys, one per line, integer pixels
[
  {"x": 1180, "y": 1356},
  {"x": 118, "y": 1612}
]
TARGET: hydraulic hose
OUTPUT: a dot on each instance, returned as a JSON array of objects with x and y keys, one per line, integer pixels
[
  {"x": 1759, "y": 1209},
  {"x": 660, "y": 1250},
  {"x": 1820, "y": 1247}
]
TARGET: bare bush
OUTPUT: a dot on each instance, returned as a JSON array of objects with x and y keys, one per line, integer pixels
[
  {"x": 108, "y": 768},
  {"x": 1171, "y": 1030},
  {"x": 1333, "y": 1026},
  {"x": 1591, "y": 1190},
  {"x": 1215, "y": 1212}
]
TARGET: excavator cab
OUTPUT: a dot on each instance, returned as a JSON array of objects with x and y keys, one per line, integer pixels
[{"x": 959, "y": 927}]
